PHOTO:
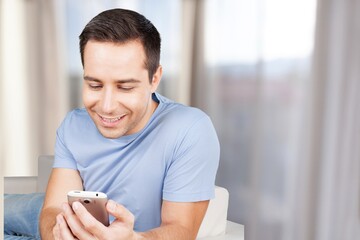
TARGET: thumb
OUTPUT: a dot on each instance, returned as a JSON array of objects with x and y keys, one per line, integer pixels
[{"x": 120, "y": 212}]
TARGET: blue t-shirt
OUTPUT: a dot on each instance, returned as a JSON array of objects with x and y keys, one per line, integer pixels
[{"x": 174, "y": 157}]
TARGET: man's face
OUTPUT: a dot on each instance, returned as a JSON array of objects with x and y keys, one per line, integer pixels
[{"x": 116, "y": 87}]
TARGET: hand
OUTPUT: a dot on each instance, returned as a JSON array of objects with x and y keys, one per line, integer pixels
[{"x": 78, "y": 223}]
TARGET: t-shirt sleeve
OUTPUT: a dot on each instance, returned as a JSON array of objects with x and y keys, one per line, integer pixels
[
  {"x": 191, "y": 174},
  {"x": 63, "y": 157}
]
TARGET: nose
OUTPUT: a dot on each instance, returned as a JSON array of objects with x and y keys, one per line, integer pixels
[{"x": 108, "y": 103}]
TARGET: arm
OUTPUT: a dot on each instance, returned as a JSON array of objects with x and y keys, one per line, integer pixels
[
  {"x": 180, "y": 221},
  {"x": 60, "y": 182}
]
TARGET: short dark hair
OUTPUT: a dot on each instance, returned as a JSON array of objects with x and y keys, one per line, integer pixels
[{"x": 121, "y": 26}]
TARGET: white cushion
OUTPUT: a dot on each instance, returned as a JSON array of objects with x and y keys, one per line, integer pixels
[{"x": 214, "y": 222}]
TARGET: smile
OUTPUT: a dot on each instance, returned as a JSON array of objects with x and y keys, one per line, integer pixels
[{"x": 110, "y": 120}]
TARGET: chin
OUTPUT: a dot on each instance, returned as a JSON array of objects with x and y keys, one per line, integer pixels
[{"x": 111, "y": 134}]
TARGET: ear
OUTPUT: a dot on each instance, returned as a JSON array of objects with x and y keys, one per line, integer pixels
[{"x": 156, "y": 79}]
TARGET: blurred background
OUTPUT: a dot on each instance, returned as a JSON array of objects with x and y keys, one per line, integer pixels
[{"x": 279, "y": 78}]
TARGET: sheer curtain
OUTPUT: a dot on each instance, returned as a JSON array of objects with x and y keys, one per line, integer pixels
[
  {"x": 334, "y": 124},
  {"x": 251, "y": 67},
  {"x": 285, "y": 104},
  {"x": 33, "y": 90}
]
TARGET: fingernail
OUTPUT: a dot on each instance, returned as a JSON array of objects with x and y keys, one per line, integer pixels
[
  {"x": 111, "y": 205},
  {"x": 75, "y": 206}
]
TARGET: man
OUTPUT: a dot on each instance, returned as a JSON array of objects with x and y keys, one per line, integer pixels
[{"x": 155, "y": 159}]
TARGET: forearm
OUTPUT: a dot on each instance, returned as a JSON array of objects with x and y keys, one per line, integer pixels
[
  {"x": 174, "y": 232},
  {"x": 47, "y": 222}
]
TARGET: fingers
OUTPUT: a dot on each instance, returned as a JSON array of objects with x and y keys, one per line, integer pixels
[
  {"x": 123, "y": 226},
  {"x": 77, "y": 223},
  {"x": 56, "y": 231},
  {"x": 120, "y": 213},
  {"x": 74, "y": 223},
  {"x": 88, "y": 222},
  {"x": 61, "y": 230}
]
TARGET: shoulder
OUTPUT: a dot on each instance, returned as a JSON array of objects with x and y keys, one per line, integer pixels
[
  {"x": 183, "y": 126},
  {"x": 178, "y": 114}
]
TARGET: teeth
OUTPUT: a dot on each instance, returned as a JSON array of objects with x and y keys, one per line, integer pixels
[{"x": 111, "y": 119}]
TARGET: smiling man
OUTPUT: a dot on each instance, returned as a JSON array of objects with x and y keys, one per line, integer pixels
[
  {"x": 154, "y": 158},
  {"x": 117, "y": 92}
]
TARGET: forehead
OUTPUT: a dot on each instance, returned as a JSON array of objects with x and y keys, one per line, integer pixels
[
  {"x": 117, "y": 53},
  {"x": 108, "y": 58}
]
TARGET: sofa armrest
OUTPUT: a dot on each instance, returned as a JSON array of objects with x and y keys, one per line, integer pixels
[
  {"x": 214, "y": 222},
  {"x": 45, "y": 163},
  {"x": 31, "y": 184},
  {"x": 234, "y": 231},
  {"x": 19, "y": 185}
]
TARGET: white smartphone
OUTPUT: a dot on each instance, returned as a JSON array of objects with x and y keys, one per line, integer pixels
[{"x": 94, "y": 202}]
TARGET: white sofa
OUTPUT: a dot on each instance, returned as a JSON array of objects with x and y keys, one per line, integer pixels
[{"x": 215, "y": 225}]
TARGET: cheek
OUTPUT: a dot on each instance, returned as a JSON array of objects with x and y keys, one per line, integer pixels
[
  {"x": 88, "y": 98},
  {"x": 137, "y": 102}
]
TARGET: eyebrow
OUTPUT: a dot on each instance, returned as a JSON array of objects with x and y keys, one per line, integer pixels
[{"x": 130, "y": 80}]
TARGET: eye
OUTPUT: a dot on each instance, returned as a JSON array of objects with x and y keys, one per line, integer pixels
[
  {"x": 124, "y": 88},
  {"x": 95, "y": 86}
]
